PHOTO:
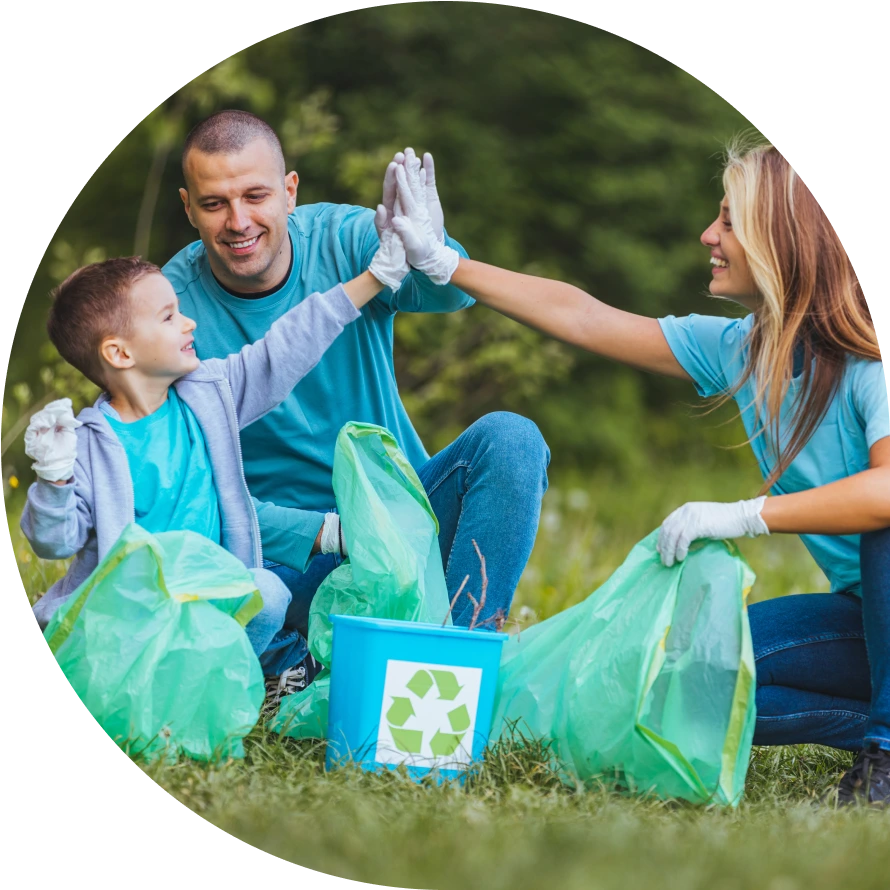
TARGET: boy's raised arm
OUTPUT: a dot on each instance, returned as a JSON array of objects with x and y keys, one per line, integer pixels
[{"x": 263, "y": 373}]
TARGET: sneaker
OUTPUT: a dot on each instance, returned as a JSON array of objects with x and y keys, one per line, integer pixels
[
  {"x": 294, "y": 679},
  {"x": 867, "y": 781}
]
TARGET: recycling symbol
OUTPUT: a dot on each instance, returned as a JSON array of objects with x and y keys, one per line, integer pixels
[{"x": 443, "y": 743}]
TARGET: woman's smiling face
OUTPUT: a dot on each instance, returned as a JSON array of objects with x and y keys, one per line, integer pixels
[{"x": 730, "y": 275}]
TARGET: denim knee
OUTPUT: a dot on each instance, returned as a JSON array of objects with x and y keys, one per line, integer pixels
[
  {"x": 508, "y": 436},
  {"x": 276, "y": 596},
  {"x": 874, "y": 552}
]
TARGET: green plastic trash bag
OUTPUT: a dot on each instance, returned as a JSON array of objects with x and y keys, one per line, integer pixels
[
  {"x": 648, "y": 683},
  {"x": 395, "y": 565},
  {"x": 153, "y": 642}
]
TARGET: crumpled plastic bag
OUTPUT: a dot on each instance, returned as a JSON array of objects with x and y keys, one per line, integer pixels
[
  {"x": 649, "y": 683},
  {"x": 153, "y": 642},
  {"x": 394, "y": 568}
]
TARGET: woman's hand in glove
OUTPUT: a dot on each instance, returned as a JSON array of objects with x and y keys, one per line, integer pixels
[{"x": 702, "y": 519}]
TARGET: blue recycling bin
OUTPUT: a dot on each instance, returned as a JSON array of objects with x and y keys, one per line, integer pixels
[{"x": 413, "y": 694}]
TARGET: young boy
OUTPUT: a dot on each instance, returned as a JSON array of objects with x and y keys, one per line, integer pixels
[{"x": 161, "y": 445}]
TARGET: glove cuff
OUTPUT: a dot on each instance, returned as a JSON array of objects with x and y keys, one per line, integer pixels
[
  {"x": 754, "y": 524},
  {"x": 439, "y": 266},
  {"x": 392, "y": 278},
  {"x": 332, "y": 535},
  {"x": 53, "y": 473}
]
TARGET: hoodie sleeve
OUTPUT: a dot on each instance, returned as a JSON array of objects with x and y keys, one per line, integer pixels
[
  {"x": 57, "y": 519},
  {"x": 263, "y": 373}
]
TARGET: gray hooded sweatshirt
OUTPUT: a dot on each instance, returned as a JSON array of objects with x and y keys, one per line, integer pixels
[{"x": 86, "y": 516}]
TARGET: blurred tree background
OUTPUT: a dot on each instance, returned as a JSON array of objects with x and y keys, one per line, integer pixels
[{"x": 561, "y": 150}]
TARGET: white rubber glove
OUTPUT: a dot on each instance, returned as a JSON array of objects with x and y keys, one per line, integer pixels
[
  {"x": 332, "y": 540},
  {"x": 389, "y": 265},
  {"x": 422, "y": 182},
  {"x": 50, "y": 439},
  {"x": 703, "y": 519},
  {"x": 424, "y": 250},
  {"x": 388, "y": 201}
]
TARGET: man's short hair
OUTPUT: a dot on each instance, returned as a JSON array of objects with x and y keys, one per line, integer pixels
[
  {"x": 91, "y": 304},
  {"x": 228, "y": 132}
]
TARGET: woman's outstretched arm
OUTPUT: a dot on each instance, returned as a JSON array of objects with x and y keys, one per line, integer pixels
[{"x": 569, "y": 314}]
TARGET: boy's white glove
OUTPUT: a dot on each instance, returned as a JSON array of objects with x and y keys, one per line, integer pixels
[
  {"x": 389, "y": 265},
  {"x": 50, "y": 439},
  {"x": 332, "y": 540},
  {"x": 424, "y": 250},
  {"x": 422, "y": 179},
  {"x": 383, "y": 218},
  {"x": 702, "y": 519}
]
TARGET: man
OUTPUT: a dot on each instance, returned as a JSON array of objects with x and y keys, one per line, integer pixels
[{"x": 258, "y": 256}]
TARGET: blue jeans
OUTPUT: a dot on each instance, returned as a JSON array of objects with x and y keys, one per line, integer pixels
[
  {"x": 485, "y": 486},
  {"x": 263, "y": 628},
  {"x": 823, "y": 661}
]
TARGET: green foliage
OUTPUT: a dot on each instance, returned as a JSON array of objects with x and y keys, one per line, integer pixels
[{"x": 561, "y": 151}]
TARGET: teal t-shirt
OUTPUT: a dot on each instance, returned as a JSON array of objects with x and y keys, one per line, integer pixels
[
  {"x": 289, "y": 453},
  {"x": 713, "y": 352},
  {"x": 170, "y": 467}
]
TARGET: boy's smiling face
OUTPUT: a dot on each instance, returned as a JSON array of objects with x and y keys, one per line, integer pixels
[{"x": 160, "y": 342}]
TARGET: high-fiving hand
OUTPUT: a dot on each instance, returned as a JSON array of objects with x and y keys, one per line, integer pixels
[
  {"x": 389, "y": 265},
  {"x": 433, "y": 204},
  {"x": 422, "y": 180},
  {"x": 386, "y": 209},
  {"x": 421, "y": 226}
]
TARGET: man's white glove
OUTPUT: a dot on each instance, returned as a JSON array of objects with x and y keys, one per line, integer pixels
[
  {"x": 702, "y": 519},
  {"x": 389, "y": 265},
  {"x": 50, "y": 439},
  {"x": 424, "y": 250},
  {"x": 332, "y": 540}
]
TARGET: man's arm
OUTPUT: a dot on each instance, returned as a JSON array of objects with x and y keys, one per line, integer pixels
[{"x": 289, "y": 535}]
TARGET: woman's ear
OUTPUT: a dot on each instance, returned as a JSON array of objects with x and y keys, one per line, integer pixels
[{"x": 115, "y": 351}]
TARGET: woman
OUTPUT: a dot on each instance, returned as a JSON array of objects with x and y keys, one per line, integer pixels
[{"x": 805, "y": 370}]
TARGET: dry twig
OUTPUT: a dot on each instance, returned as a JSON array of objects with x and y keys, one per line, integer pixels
[
  {"x": 500, "y": 621},
  {"x": 460, "y": 590},
  {"x": 478, "y": 607}
]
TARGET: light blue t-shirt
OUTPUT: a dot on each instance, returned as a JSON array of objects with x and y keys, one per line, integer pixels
[
  {"x": 289, "y": 453},
  {"x": 713, "y": 351},
  {"x": 172, "y": 476}
]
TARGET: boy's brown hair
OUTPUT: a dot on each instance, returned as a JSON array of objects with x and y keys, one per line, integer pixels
[{"x": 91, "y": 304}]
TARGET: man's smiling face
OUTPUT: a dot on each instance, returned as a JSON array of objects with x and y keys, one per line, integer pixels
[{"x": 239, "y": 204}]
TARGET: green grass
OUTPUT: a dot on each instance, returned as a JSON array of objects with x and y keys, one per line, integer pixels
[{"x": 515, "y": 825}]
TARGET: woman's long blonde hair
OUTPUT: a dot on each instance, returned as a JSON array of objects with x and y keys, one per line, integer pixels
[{"x": 811, "y": 298}]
